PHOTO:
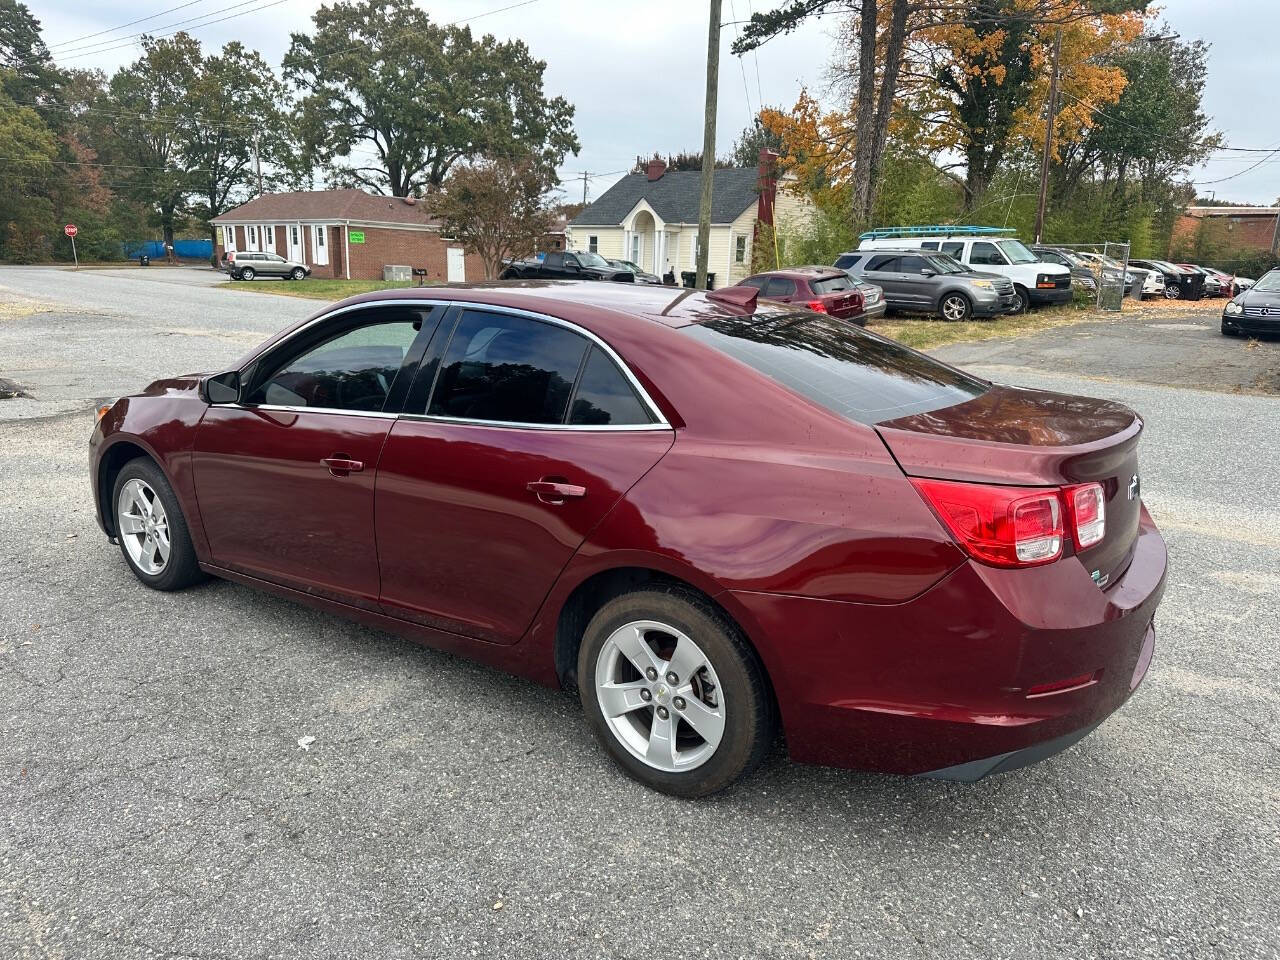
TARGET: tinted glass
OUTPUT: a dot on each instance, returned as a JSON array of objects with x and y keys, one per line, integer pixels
[
  {"x": 848, "y": 370},
  {"x": 911, "y": 264},
  {"x": 984, "y": 252},
  {"x": 929, "y": 245},
  {"x": 779, "y": 287},
  {"x": 353, "y": 371},
  {"x": 604, "y": 396},
  {"x": 847, "y": 260},
  {"x": 831, "y": 284},
  {"x": 882, "y": 262},
  {"x": 757, "y": 282},
  {"x": 507, "y": 368}
]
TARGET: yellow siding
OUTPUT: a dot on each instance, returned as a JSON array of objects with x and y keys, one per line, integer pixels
[{"x": 609, "y": 240}]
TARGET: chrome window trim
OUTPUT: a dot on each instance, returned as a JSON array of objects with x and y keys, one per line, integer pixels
[{"x": 515, "y": 425}]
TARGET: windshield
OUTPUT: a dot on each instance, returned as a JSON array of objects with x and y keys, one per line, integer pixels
[
  {"x": 852, "y": 372},
  {"x": 1016, "y": 251},
  {"x": 944, "y": 263},
  {"x": 592, "y": 260},
  {"x": 1269, "y": 282}
]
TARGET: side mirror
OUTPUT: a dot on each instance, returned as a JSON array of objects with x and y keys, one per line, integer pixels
[
  {"x": 927, "y": 272},
  {"x": 222, "y": 388}
]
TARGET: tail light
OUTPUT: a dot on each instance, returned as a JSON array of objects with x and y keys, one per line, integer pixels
[
  {"x": 817, "y": 306},
  {"x": 1017, "y": 526}
]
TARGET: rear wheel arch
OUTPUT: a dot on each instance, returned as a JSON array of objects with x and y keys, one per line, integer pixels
[{"x": 589, "y": 596}]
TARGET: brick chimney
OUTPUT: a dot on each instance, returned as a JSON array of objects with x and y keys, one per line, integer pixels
[
  {"x": 767, "y": 185},
  {"x": 656, "y": 168}
]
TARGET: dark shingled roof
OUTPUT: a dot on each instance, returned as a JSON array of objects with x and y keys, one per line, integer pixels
[
  {"x": 348, "y": 204},
  {"x": 675, "y": 197}
]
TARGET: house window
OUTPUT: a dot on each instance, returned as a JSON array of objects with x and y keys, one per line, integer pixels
[
  {"x": 593, "y": 244},
  {"x": 740, "y": 249}
]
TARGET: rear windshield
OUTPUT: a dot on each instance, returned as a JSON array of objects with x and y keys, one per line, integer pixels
[
  {"x": 850, "y": 371},
  {"x": 831, "y": 284}
]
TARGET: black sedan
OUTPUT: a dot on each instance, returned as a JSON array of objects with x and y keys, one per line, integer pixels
[{"x": 1256, "y": 310}]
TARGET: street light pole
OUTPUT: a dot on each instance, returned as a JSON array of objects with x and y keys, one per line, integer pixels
[{"x": 708, "y": 144}]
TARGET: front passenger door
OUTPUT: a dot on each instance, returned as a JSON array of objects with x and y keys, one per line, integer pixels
[{"x": 285, "y": 476}]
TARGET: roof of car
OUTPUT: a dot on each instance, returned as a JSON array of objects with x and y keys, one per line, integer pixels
[
  {"x": 670, "y": 306},
  {"x": 814, "y": 270}
]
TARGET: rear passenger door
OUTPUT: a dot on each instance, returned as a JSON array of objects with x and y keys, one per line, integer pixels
[
  {"x": 520, "y": 434},
  {"x": 882, "y": 271}
]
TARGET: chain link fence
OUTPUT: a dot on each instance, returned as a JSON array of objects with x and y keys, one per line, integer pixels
[{"x": 1109, "y": 262}]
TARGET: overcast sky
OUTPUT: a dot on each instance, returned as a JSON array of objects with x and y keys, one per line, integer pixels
[{"x": 635, "y": 70}]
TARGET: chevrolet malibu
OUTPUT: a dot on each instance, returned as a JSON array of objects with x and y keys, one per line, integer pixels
[{"x": 716, "y": 520}]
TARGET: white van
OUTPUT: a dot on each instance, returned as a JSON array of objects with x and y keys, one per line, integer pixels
[{"x": 1037, "y": 283}]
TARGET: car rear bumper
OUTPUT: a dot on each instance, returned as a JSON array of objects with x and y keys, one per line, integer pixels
[{"x": 988, "y": 670}]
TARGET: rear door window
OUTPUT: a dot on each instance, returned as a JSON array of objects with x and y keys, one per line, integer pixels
[
  {"x": 849, "y": 371},
  {"x": 507, "y": 369},
  {"x": 885, "y": 263},
  {"x": 780, "y": 287}
]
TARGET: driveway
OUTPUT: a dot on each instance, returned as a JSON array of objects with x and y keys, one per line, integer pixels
[{"x": 158, "y": 801}]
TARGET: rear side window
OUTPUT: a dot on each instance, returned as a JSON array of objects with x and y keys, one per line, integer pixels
[
  {"x": 849, "y": 371},
  {"x": 847, "y": 260},
  {"x": 929, "y": 245},
  {"x": 604, "y": 396},
  {"x": 831, "y": 284},
  {"x": 953, "y": 249},
  {"x": 507, "y": 369},
  {"x": 884, "y": 262}
]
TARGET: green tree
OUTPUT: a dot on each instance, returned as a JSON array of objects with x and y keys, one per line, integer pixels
[
  {"x": 30, "y": 74},
  {"x": 379, "y": 75},
  {"x": 497, "y": 208},
  {"x": 754, "y": 138},
  {"x": 29, "y": 173}
]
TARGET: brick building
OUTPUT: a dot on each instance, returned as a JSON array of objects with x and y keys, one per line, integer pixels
[
  {"x": 1238, "y": 228},
  {"x": 347, "y": 234}
]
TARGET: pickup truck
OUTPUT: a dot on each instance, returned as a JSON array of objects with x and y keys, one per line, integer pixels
[{"x": 567, "y": 265}]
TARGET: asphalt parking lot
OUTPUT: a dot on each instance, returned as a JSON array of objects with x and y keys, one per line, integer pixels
[{"x": 157, "y": 801}]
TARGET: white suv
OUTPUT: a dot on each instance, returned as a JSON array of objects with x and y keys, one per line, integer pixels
[{"x": 1036, "y": 283}]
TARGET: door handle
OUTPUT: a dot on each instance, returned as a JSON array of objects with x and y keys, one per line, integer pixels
[
  {"x": 555, "y": 491},
  {"x": 341, "y": 466}
]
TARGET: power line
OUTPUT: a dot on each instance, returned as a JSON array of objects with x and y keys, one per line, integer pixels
[
  {"x": 746, "y": 91},
  {"x": 128, "y": 40},
  {"x": 90, "y": 36}
]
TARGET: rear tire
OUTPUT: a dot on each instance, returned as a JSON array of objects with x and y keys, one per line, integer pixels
[
  {"x": 955, "y": 307},
  {"x": 151, "y": 528},
  {"x": 1172, "y": 291},
  {"x": 653, "y": 735},
  {"x": 247, "y": 273}
]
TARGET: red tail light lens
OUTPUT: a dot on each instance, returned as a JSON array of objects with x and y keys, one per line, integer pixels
[
  {"x": 817, "y": 306},
  {"x": 1001, "y": 526},
  {"x": 1088, "y": 510}
]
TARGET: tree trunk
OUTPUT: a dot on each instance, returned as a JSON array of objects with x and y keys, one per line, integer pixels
[
  {"x": 888, "y": 90},
  {"x": 864, "y": 115}
]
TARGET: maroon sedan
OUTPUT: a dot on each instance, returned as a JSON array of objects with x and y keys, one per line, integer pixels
[
  {"x": 821, "y": 289},
  {"x": 709, "y": 516}
]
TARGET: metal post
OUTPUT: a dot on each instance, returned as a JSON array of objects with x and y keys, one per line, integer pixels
[
  {"x": 73, "y": 253},
  {"x": 1048, "y": 138},
  {"x": 708, "y": 144}
]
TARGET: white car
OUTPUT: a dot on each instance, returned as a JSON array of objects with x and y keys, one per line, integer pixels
[{"x": 1035, "y": 282}]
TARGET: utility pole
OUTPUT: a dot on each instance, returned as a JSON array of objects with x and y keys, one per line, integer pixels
[
  {"x": 1048, "y": 138},
  {"x": 708, "y": 144},
  {"x": 584, "y": 188},
  {"x": 257, "y": 161}
]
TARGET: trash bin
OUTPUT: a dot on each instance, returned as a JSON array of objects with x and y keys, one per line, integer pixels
[
  {"x": 144, "y": 260},
  {"x": 690, "y": 277}
]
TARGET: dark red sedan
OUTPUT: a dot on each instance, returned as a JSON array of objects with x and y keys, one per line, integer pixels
[
  {"x": 711, "y": 517},
  {"x": 821, "y": 289}
]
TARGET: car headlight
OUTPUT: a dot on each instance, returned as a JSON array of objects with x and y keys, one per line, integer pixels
[
  {"x": 1233, "y": 308},
  {"x": 984, "y": 284}
]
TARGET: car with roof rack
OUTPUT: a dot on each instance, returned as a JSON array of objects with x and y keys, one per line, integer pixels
[
  {"x": 989, "y": 249},
  {"x": 920, "y": 281}
]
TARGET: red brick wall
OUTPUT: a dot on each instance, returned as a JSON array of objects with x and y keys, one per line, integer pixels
[
  {"x": 1252, "y": 232},
  {"x": 382, "y": 247}
]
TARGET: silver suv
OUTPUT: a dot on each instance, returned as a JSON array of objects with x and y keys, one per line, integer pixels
[
  {"x": 921, "y": 281},
  {"x": 246, "y": 265}
]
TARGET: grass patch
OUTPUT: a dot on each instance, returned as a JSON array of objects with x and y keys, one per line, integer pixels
[
  {"x": 319, "y": 288},
  {"x": 927, "y": 332}
]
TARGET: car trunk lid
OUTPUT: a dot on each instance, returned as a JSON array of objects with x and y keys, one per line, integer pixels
[
  {"x": 845, "y": 303},
  {"x": 1034, "y": 438}
]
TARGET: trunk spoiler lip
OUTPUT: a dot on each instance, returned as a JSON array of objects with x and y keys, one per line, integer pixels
[{"x": 941, "y": 457}]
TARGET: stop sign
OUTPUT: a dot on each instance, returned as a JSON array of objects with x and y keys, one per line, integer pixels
[{"x": 70, "y": 230}]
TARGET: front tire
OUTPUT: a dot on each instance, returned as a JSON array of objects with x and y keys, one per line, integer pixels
[
  {"x": 673, "y": 692},
  {"x": 247, "y": 273},
  {"x": 1172, "y": 291},
  {"x": 955, "y": 307},
  {"x": 1024, "y": 300},
  {"x": 297, "y": 274},
  {"x": 151, "y": 529}
]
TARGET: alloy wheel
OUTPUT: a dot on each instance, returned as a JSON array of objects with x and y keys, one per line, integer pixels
[
  {"x": 247, "y": 273},
  {"x": 660, "y": 696},
  {"x": 1172, "y": 291},
  {"x": 143, "y": 526},
  {"x": 954, "y": 307}
]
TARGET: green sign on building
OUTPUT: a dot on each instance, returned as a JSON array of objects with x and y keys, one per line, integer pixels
[{"x": 357, "y": 236}]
